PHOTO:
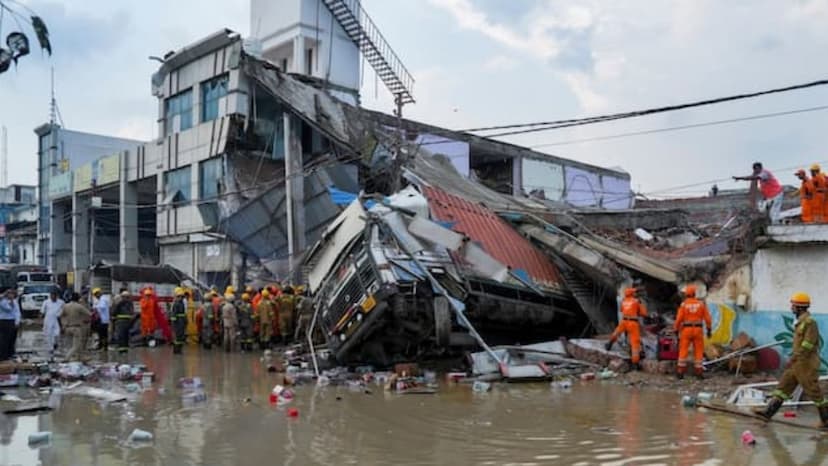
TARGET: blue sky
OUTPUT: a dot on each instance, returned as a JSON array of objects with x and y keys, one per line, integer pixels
[{"x": 489, "y": 62}]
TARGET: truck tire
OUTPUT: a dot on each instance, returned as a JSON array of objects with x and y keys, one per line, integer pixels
[{"x": 442, "y": 321}]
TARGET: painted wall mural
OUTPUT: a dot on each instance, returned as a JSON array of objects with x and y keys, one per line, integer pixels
[{"x": 764, "y": 327}]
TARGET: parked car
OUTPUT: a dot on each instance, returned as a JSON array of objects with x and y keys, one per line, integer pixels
[
  {"x": 32, "y": 277},
  {"x": 32, "y": 297}
]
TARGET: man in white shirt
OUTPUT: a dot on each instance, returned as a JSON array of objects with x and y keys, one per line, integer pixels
[
  {"x": 101, "y": 321},
  {"x": 51, "y": 311}
]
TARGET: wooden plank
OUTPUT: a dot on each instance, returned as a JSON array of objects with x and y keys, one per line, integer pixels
[{"x": 737, "y": 412}]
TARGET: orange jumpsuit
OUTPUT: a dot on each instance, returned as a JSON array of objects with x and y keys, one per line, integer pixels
[
  {"x": 806, "y": 200},
  {"x": 690, "y": 321},
  {"x": 631, "y": 310},
  {"x": 820, "y": 184},
  {"x": 148, "y": 323}
]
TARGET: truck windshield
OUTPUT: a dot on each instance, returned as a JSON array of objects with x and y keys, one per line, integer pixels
[{"x": 38, "y": 289}]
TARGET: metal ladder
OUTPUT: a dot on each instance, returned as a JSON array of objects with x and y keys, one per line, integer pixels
[{"x": 365, "y": 34}]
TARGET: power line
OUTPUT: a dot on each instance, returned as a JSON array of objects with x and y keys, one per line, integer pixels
[
  {"x": 683, "y": 127},
  {"x": 555, "y": 124}
]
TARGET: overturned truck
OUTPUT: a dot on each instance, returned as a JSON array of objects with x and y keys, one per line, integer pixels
[{"x": 390, "y": 284}]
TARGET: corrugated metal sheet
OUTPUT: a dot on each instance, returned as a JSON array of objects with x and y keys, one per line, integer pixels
[{"x": 499, "y": 239}]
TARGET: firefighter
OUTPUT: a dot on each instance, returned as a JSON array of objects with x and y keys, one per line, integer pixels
[
  {"x": 287, "y": 306},
  {"x": 265, "y": 318},
  {"x": 192, "y": 319},
  {"x": 806, "y": 197},
  {"x": 207, "y": 321},
  {"x": 148, "y": 323},
  {"x": 691, "y": 319},
  {"x": 123, "y": 316},
  {"x": 245, "y": 319},
  {"x": 802, "y": 367},
  {"x": 230, "y": 322},
  {"x": 178, "y": 317},
  {"x": 631, "y": 309},
  {"x": 217, "y": 303}
]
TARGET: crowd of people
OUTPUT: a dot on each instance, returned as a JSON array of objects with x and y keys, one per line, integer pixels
[
  {"x": 813, "y": 192},
  {"x": 256, "y": 318}
]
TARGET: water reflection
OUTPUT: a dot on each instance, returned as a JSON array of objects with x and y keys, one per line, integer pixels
[{"x": 591, "y": 424}]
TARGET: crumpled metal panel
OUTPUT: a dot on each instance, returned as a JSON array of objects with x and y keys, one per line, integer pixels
[
  {"x": 260, "y": 225},
  {"x": 493, "y": 234}
]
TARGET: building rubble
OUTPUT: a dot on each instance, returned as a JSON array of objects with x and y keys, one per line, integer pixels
[{"x": 421, "y": 261}]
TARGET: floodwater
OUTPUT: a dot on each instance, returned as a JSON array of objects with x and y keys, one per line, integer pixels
[{"x": 594, "y": 423}]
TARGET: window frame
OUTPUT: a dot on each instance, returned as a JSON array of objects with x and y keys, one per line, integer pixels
[
  {"x": 169, "y": 117},
  {"x": 208, "y": 101},
  {"x": 176, "y": 175},
  {"x": 202, "y": 181}
]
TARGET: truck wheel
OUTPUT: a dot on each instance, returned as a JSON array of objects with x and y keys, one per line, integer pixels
[{"x": 442, "y": 321}]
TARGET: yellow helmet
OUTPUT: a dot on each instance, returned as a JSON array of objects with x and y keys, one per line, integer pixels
[
  {"x": 179, "y": 291},
  {"x": 815, "y": 167},
  {"x": 800, "y": 299},
  {"x": 96, "y": 291},
  {"x": 229, "y": 290},
  {"x": 245, "y": 297},
  {"x": 265, "y": 293}
]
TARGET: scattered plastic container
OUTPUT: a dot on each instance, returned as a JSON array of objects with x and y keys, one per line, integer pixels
[
  {"x": 481, "y": 387},
  {"x": 588, "y": 376},
  {"x": 704, "y": 396},
  {"x": 133, "y": 387},
  {"x": 688, "y": 401},
  {"x": 748, "y": 438},
  {"x": 189, "y": 383},
  {"x": 789, "y": 414},
  {"x": 192, "y": 398},
  {"x": 561, "y": 384},
  {"x": 40, "y": 438},
  {"x": 606, "y": 374},
  {"x": 293, "y": 412},
  {"x": 139, "y": 435},
  {"x": 323, "y": 381}
]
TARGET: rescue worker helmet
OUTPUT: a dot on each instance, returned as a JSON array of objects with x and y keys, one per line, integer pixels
[
  {"x": 690, "y": 291},
  {"x": 629, "y": 292},
  {"x": 245, "y": 297},
  {"x": 800, "y": 299},
  {"x": 179, "y": 291},
  {"x": 96, "y": 291},
  {"x": 800, "y": 173},
  {"x": 265, "y": 293},
  {"x": 816, "y": 168}
]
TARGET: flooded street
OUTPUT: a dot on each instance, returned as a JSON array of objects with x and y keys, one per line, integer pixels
[{"x": 594, "y": 423}]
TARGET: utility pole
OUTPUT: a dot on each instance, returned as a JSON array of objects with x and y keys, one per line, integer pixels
[{"x": 396, "y": 171}]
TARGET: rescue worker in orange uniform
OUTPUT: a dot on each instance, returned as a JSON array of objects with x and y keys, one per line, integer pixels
[
  {"x": 820, "y": 184},
  {"x": 631, "y": 309},
  {"x": 803, "y": 366},
  {"x": 691, "y": 319},
  {"x": 806, "y": 196},
  {"x": 148, "y": 323}
]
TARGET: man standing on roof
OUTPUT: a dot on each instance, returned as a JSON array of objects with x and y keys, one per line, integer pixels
[
  {"x": 769, "y": 187},
  {"x": 691, "y": 319},
  {"x": 631, "y": 310},
  {"x": 820, "y": 184},
  {"x": 802, "y": 369},
  {"x": 806, "y": 196}
]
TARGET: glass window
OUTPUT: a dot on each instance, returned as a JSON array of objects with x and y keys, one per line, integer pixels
[
  {"x": 211, "y": 92},
  {"x": 177, "y": 186},
  {"x": 210, "y": 175},
  {"x": 181, "y": 106}
]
